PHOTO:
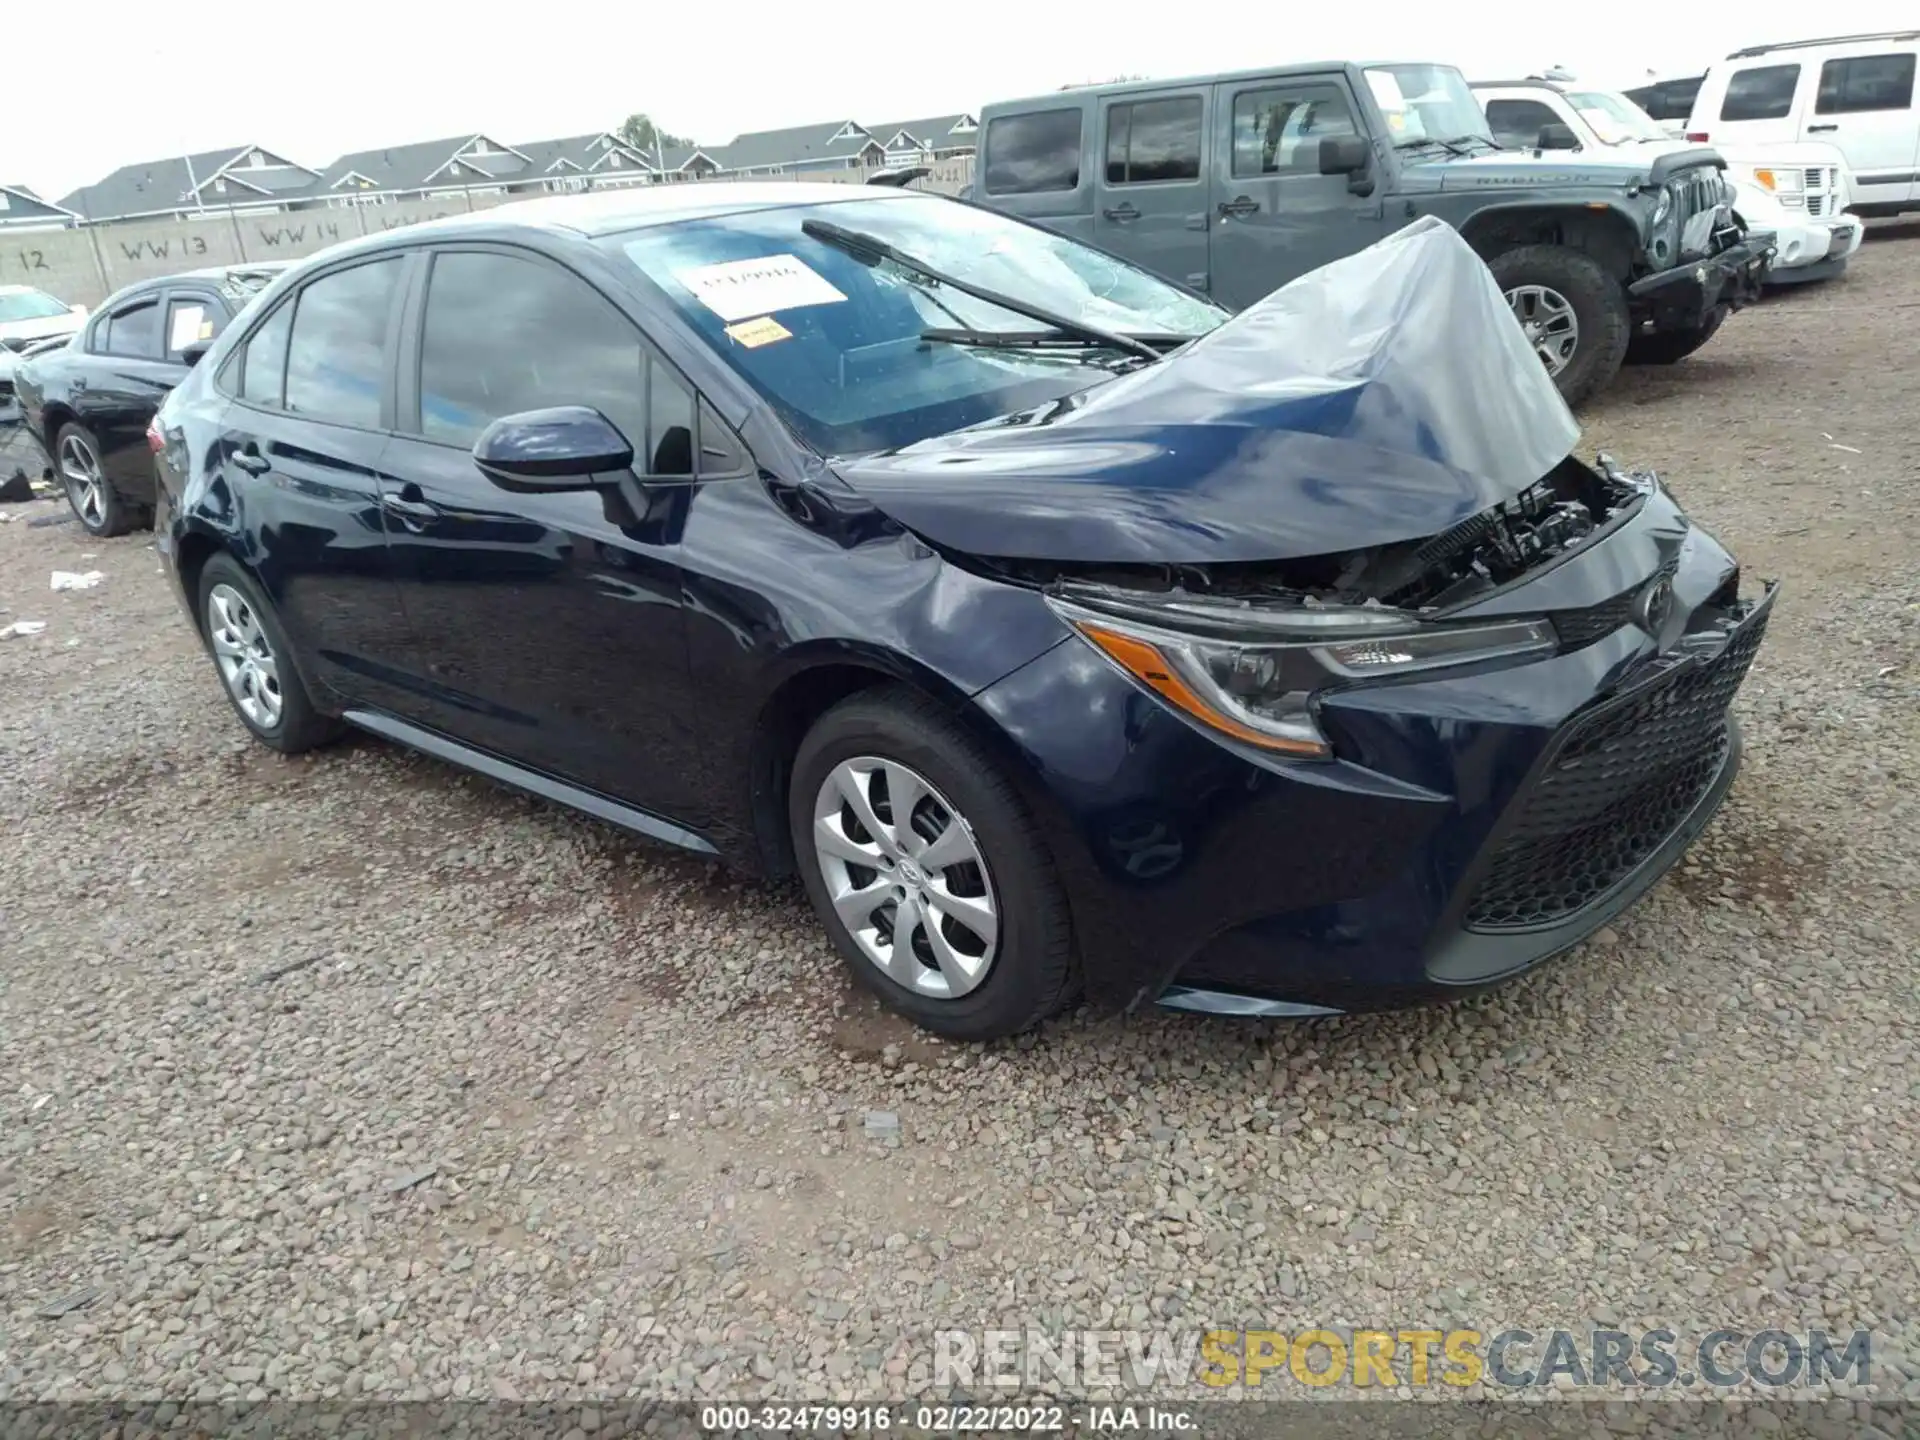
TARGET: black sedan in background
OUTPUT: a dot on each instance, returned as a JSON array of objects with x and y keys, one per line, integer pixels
[
  {"x": 89, "y": 402},
  {"x": 1061, "y": 632}
]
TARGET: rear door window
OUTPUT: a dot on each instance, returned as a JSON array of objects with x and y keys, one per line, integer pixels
[
  {"x": 192, "y": 318},
  {"x": 1517, "y": 123},
  {"x": 1761, "y": 92},
  {"x": 1151, "y": 140},
  {"x": 133, "y": 330},
  {"x": 1864, "y": 83},
  {"x": 1031, "y": 153},
  {"x": 337, "y": 355}
]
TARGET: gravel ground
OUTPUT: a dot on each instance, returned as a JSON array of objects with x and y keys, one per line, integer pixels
[{"x": 352, "y": 1075}]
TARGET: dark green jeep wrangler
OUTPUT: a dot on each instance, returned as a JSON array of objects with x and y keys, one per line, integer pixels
[{"x": 1236, "y": 184}]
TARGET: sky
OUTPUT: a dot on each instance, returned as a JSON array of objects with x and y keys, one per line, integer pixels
[{"x": 313, "y": 81}]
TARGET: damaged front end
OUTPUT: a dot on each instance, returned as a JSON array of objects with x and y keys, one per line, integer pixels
[{"x": 1247, "y": 648}]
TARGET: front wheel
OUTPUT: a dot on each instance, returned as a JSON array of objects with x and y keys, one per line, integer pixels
[
  {"x": 928, "y": 870},
  {"x": 1572, "y": 312},
  {"x": 1665, "y": 347}
]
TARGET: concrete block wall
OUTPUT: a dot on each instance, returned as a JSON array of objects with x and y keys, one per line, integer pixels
[{"x": 85, "y": 265}]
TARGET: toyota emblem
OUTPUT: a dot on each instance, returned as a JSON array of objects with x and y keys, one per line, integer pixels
[{"x": 1654, "y": 606}]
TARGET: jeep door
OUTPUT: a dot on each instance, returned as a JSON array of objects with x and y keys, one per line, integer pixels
[
  {"x": 1275, "y": 216},
  {"x": 1152, "y": 190}
]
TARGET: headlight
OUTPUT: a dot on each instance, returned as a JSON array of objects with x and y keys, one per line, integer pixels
[
  {"x": 1780, "y": 181},
  {"x": 1662, "y": 208},
  {"x": 1254, "y": 675}
]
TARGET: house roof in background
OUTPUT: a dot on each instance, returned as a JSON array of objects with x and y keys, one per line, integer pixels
[{"x": 167, "y": 184}]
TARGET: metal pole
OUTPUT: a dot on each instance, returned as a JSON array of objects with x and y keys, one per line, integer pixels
[{"x": 193, "y": 186}]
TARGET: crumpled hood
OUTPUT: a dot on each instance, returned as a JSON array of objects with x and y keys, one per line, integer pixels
[
  {"x": 1384, "y": 397},
  {"x": 18, "y": 332}
]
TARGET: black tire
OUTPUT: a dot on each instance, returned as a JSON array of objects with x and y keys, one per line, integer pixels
[
  {"x": 1033, "y": 973},
  {"x": 109, "y": 514},
  {"x": 1599, "y": 306},
  {"x": 299, "y": 726},
  {"x": 1665, "y": 347}
]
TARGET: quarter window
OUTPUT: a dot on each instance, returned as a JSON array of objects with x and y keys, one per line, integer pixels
[
  {"x": 337, "y": 356},
  {"x": 263, "y": 373},
  {"x": 505, "y": 335},
  {"x": 1517, "y": 123},
  {"x": 133, "y": 330},
  {"x": 1764, "y": 92},
  {"x": 1278, "y": 132},
  {"x": 1029, "y": 154},
  {"x": 1866, "y": 82},
  {"x": 1149, "y": 140}
]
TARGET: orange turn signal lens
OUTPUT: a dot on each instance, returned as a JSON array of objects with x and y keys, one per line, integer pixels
[{"x": 1145, "y": 663}]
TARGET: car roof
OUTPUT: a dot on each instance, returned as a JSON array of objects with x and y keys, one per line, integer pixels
[
  {"x": 607, "y": 212},
  {"x": 1073, "y": 95}
]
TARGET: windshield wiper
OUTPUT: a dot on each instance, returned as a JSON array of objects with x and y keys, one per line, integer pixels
[
  {"x": 1450, "y": 146},
  {"x": 1043, "y": 339},
  {"x": 1474, "y": 140},
  {"x": 861, "y": 245}
]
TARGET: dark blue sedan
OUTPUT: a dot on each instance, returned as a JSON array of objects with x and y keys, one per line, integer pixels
[{"x": 1063, "y": 635}]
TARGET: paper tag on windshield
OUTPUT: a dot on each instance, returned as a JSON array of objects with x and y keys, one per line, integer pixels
[
  {"x": 186, "y": 326},
  {"x": 743, "y": 289},
  {"x": 755, "y": 333},
  {"x": 1386, "y": 89}
]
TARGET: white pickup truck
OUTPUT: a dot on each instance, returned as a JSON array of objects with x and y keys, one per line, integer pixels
[{"x": 1798, "y": 190}]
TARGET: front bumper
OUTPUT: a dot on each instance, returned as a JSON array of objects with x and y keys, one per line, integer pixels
[
  {"x": 1474, "y": 827},
  {"x": 1682, "y": 298}
]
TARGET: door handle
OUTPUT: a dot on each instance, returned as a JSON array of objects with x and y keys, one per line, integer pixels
[
  {"x": 409, "y": 504},
  {"x": 1820, "y": 129},
  {"x": 1122, "y": 211},
  {"x": 249, "y": 459},
  {"x": 1239, "y": 205}
]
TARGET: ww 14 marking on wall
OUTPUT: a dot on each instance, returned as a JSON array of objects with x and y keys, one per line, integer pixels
[{"x": 324, "y": 232}]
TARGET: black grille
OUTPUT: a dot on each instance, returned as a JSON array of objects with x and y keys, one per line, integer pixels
[{"x": 1621, "y": 780}]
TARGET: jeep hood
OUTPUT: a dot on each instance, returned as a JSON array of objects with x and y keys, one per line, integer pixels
[
  {"x": 1382, "y": 398},
  {"x": 1614, "y": 166}
]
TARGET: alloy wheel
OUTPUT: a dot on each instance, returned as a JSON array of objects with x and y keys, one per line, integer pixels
[
  {"x": 86, "y": 484},
  {"x": 1550, "y": 325},
  {"x": 906, "y": 875},
  {"x": 246, "y": 660}
]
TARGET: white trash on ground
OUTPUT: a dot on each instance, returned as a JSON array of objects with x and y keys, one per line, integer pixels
[
  {"x": 22, "y": 627},
  {"x": 76, "y": 580}
]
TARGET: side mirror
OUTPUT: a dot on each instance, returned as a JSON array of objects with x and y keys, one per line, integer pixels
[
  {"x": 566, "y": 448},
  {"x": 1558, "y": 137},
  {"x": 193, "y": 354},
  {"x": 1348, "y": 155}
]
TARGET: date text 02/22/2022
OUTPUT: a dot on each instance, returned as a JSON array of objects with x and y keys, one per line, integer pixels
[{"x": 940, "y": 1419}]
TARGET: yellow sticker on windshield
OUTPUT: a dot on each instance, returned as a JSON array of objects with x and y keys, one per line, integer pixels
[{"x": 755, "y": 333}]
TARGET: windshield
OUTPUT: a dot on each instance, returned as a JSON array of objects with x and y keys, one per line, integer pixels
[
  {"x": 29, "y": 305},
  {"x": 1427, "y": 102},
  {"x": 837, "y": 345},
  {"x": 1615, "y": 118}
]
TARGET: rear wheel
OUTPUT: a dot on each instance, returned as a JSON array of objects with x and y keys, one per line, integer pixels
[
  {"x": 1668, "y": 346},
  {"x": 255, "y": 662},
  {"x": 927, "y": 869},
  {"x": 96, "y": 504},
  {"x": 1573, "y": 313}
]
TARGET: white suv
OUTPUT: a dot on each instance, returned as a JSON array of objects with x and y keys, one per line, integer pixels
[
  {"x": 1798, "y": 191},
  {"x": 1854, "y": 92}
]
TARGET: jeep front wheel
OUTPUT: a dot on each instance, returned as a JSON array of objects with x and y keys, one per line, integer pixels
[{"x": 1574, "y": 315}]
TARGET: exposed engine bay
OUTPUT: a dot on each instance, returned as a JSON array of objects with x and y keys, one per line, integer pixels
[{"x": 1567, "y": 508}]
